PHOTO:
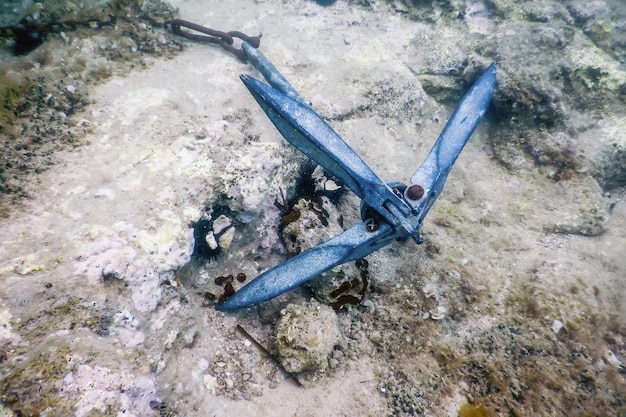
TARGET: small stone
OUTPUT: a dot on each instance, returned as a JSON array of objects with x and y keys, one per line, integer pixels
[
  {"x": 343, "y": 345},
  {"x": 246, "y": 377},
  {"x": 369, "y": 304},
  {"x": 229, "y": 383},
  {"x": 557, "y": 325},
  {"x": 332, "y": 363},
  {"x": 210, "y": 382},
  {"x": 376, "y": 337},
  {"x": 220, "y": 224}
]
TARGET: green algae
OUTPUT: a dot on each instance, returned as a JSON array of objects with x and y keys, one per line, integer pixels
[
  {"x": 469, "y": 410},
  {"x": 13, "y": 94},
  {"x": 34, "y": 385}
]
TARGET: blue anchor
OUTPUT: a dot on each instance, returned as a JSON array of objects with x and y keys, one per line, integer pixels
[{"x": 390, "y": 211}]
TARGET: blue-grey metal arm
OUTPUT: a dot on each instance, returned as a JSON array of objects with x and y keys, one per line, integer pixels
[
  {"x": 307, "y": 131},
  {"x": 433, "y": 172},
  {"x": 270, "y": 73},
  {"x": 355, "y": 243}
]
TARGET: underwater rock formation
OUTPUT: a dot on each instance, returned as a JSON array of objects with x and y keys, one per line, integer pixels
[{"x": 306, "y": 335}]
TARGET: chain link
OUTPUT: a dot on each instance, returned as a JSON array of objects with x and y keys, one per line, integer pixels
[{"x": 223, "y": 39}]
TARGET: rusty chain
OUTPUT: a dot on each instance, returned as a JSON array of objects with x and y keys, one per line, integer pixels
[{"x": 223, "y": 39}]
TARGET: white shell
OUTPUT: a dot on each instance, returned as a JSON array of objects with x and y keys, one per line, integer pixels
[
  {"x": 210, "y": 240},
  {"x": 439, "y": 313},
  {"x": 430, "y": 290},
  {"x": 612, "y": 359},
  {"x": 557, "y": 325},
  {"x": 331, "y": 185}
]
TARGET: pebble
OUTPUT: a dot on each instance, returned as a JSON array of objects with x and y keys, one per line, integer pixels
[
  {"x": 210, "y": 382},
  {"x": 369, "y": 304},
  {"x": 221, "y": 223}
]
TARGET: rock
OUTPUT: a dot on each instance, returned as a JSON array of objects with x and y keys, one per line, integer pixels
[
  {"x": 607, "y": 152},
  {"x": 585, "y": 215},
  {"x": 442, "y": 87},
  {"x": 563, "y": 94},
  {"x": 306, "y": 335}
]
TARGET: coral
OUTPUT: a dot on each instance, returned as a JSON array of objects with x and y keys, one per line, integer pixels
[
  {"x": 438, "y": 11},
  {"x": 101, "y": 389},
  {"x": 305, "y": 336}
]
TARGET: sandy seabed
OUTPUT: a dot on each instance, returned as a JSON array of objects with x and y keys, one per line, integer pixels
[{"x": 102, "y": 312}]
